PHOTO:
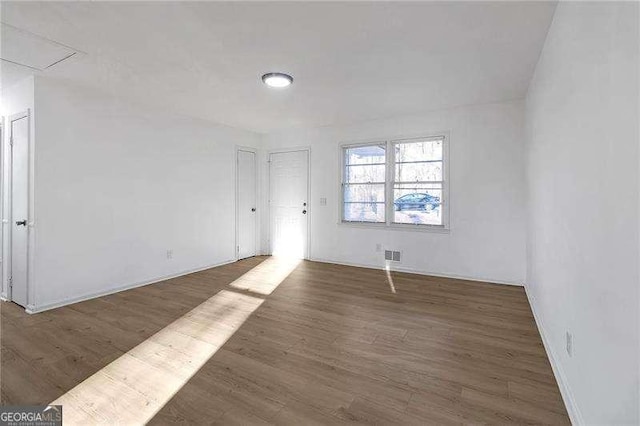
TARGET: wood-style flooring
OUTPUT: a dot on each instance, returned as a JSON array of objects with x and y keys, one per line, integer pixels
[{"x": 326, "y": 344}]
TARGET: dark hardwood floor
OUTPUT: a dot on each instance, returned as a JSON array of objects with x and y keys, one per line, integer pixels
[{"x": 330, "y": 344}]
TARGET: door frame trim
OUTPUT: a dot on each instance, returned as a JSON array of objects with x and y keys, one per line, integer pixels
[
  {"x": 306, "y": 149},
  {"x": 237, "y": 203},
  {"x": 7, "y": 205}
]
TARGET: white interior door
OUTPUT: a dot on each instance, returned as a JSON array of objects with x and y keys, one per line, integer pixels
[
  {"x": 288, "y": 200},
  {"x": 246, "y": 204},
  {"x": 19, "y": 208}
]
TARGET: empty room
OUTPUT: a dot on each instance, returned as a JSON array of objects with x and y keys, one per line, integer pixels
[{"x": 314, "y": 213}]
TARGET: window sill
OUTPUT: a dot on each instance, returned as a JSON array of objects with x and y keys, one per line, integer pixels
[{"x": 437, "y": 229}]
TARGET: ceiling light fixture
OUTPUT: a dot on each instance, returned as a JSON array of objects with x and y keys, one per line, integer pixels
[{"x": 277, "y": 79}]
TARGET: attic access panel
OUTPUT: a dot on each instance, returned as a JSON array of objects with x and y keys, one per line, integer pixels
[{"x": 31, "y": 50}]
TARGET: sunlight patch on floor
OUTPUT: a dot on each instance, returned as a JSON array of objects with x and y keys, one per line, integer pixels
[
  {"x": 390, "y": 279},
  {"x": 134, "y": 387},
  {"x": 264, "y": 278}
]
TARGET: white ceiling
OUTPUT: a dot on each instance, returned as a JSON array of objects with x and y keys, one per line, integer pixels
[{"x": 350, "y": 61}]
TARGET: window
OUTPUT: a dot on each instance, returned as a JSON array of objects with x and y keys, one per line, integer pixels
[
  {"x": 400, "y": 182},
  {"x": 363, "y": 185},
  {"x": 418, "y": 181}
]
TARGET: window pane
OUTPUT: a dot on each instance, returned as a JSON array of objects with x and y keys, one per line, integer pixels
[
  {"x": 413, "y": 172},
  {"x": 371, "y": 154},
  {"x": 419, "y": 150},
  {"x": 418, "y": 204},
  {"x": 364, "y": 212},
  {"x": 364, "y": 173},
  {"x": 364, "y": 193}
]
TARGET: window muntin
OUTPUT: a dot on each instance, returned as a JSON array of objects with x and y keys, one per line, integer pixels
[
  {"x": 364, "y": 183},
  {"x": 396, "y": 182}
]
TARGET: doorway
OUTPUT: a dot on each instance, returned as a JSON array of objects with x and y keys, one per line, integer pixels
[
  {"x": 288, "y": 203},
  {"x": 18, "y": 191},
  {"x": 246, "y": 208}
]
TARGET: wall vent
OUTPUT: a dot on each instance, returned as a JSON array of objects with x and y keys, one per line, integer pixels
[{"x": 392, "y": 255}]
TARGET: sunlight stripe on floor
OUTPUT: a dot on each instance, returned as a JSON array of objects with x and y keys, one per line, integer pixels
[{"x": 134, "y": 387}]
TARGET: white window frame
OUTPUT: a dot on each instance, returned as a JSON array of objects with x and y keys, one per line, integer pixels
[
  {"x": 343, "y": 167},
  {"x": 390, "y": 181}
]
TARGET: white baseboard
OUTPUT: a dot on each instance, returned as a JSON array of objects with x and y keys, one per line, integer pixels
[
  {"x": 558, "y": 372},
  {"x": 398, "y": 268},
  {"x": 106, "y": 292}
]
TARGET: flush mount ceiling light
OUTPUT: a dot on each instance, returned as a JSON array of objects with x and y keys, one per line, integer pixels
[{"x": 277, "y": 79}]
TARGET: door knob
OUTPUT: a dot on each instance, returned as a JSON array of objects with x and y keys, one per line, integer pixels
[
  {"x": 304, "y": 212},
  {"x": 253, "y": 209},
  {"x": 22, "y": 222}
]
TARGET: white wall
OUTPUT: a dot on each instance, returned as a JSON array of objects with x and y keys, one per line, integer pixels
[
  {"x": 116, "y": 186},
  {"x": 487, "y": 236},
  {"x": 17, "y": 97},
  {"x": 582, "y": 121}
]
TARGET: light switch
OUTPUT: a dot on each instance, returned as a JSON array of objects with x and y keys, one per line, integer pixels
[{"x": 323, "y": 201}]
